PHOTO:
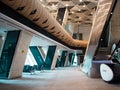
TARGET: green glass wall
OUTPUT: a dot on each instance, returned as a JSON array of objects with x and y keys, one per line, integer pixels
[
  {"x": 49, "y": 57},
  {"x": 58, "y": 62},
  {"x": 39, "y": 59},
  {"x": 71, "y": 58},
  {"x": 63, "y": 58}
]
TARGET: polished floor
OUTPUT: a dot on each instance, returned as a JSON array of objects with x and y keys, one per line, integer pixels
[{"x": 69, "y": 78}]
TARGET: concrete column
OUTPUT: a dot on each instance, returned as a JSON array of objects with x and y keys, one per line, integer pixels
[
  {"x": 63, "y": 58},
  {"x": 66, "y": 60},
  {"x": 61, "y": 15},
  {"x": 1, "y": 42},
  {"x": 55, "y": 58},
  {"x": 65, "y": 18},
  {"x": 78, "y": 59},
  {"x": 104, "y": 11},
  {"x": 20, "y": 54},
  {"x": 42, "y": 52}
]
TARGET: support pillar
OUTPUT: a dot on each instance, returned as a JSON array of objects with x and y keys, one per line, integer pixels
[
  {"x": 63, "y": 58},
  {"x": 105, "y": 7},
  {"x": 55, "y": 58},
  {"x": 80, "y": 59},
  {"x": 66, "y": 60},
  {"x": 20, "y": 54},
  {"x": 71, "y": 58},
  {"x": 60, "y": 16},
  {"x": 1, "y": 42},
  {"x": 42, "y": 52}
]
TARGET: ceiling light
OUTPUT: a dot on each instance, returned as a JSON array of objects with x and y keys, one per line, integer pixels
[
  {"x": 91, "y": 12},
  {"x": 66, "y": 5},
  {"x": 72, "y": 12},
  {"x": 53, "y": 5},
  {"x": 84, "y": 6},
  {"x": 80, "y": 0},
  {"x": 79, "y": 9},
  {"x": 59, "y": 19}
]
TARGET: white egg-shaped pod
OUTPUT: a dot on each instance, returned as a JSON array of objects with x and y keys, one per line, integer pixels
[{"x": 106, "y": 73}]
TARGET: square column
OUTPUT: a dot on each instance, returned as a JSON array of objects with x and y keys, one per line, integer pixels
[
  {"x": 20, "y": 54},
  {"x": 50, "y": 58},
  {"x": 55, "y": 58},
  {"x": 66, "y": 60}
]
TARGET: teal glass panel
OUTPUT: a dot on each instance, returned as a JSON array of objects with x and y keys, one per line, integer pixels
[
  {"x": 58, "y": 62},
  {"x": 49, "y": 57},
  {"x": 63, "y": 58},
  {"x": 39, "y": 59},
  {"x": 71, "y": 58}
]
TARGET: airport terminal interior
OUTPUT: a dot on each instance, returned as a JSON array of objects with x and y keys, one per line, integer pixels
[{"x": 59, "y": 45}]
